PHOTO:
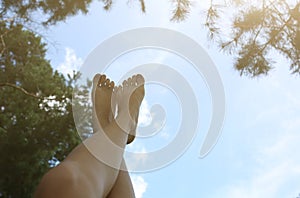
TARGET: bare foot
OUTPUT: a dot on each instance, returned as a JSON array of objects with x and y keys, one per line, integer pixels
[
  {"x": 102, "y": 101},
  {"x": 129, "y": 98}
]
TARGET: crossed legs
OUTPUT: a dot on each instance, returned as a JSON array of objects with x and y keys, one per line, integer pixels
[{"x": 82, "y": 174}]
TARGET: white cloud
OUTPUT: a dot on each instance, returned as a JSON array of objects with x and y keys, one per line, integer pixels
[
  {"x": 139, "y": 185},
  {"x": 137, "y": 148},
  {"x": 144, "y": 115},
  {"x": 136, "y": 156},
  {"x": 71, "y": 62},
  {"x": 50, "y": 102}
]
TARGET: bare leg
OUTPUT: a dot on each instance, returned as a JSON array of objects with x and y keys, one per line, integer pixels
[
  {"x": 123, "y": 185},
  {"x": 81, "y": 174},
  {"x": 80, "y": 167}
]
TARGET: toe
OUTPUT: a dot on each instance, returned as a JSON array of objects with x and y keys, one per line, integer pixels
[
  {"x": 118, "y": 89},
  {"x": 95, "y": 84},
  {"x": 102, "y": 80},
  {"x": 112, "y": 84},
  {"x": 107, "y": 83},
  {"x": 125, "y": 83},
  {"x": 96, "y": 79},
  {"x": 140, "y": 79},
  {"x": 129, "y": 80},
  {"x": 134, "y": 83}
]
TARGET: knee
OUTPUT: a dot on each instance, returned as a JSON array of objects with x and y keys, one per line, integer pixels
[{"x": 58, "y": 182}]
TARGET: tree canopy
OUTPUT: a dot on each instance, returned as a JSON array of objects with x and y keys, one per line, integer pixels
[
  {"x": 36, "y": 121},
  {"x": 37, "y": 128},
  {"x": 258, "y": 30}
]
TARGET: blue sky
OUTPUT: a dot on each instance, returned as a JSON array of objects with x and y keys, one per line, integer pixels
[{"x": 256, "y": 155}]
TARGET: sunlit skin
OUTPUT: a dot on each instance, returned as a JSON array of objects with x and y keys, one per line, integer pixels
[{"x": 81, "y": 174}]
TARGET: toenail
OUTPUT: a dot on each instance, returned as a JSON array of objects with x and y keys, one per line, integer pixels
[{"x": 112, "y": 84}]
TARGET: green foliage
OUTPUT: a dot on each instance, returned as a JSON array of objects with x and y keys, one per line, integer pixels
[
  {"x": 36, "y": 122},
  {"x": 258, "y": 30},
  {"x": 249, "y": 20},
  {"x": 53, "y": 10},
  {"x": 37, "y": 128},
  {"x": 252, "y": 61},
  {"x": 180, "y": 10}
]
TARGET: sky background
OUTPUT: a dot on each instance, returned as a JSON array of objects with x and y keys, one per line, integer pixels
[{"x": 257, "y": 153}]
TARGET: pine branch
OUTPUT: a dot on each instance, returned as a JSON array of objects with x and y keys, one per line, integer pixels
[
  {"x": 107, "y": 4},
  {"x": 143, "y": 7},
  {"x": 19, "y": 89},
  {"x": 3, "y": 42},
  {"x": 265, "y": 45},
  {"x": 181, "y": 10}
]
